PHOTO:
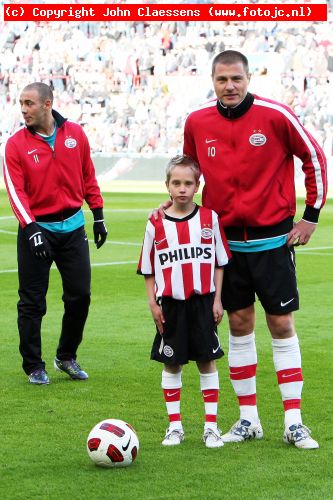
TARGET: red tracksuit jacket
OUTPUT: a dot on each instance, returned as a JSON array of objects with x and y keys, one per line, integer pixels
[
  {"x": 40, "y": 181},
  {"x": 246, "y": 157}
]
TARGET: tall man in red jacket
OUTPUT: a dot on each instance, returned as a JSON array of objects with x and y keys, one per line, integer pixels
[
  {"x": 49, "y": 174},
  {"x": 245, "y": 146}
]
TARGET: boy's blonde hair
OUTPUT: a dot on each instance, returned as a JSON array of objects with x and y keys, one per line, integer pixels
[{"x": 185, "y": 161}]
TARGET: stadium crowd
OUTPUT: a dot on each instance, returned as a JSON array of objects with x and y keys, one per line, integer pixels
[{"x": 131, "y": 84}]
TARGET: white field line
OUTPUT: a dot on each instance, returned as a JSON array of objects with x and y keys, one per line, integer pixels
[
  {"x": 122, "y": 263},
  {"x": 109, "y": 210},
  {"x": 318, "y": 253},
  {"x": 96, "y": 264},
  {"x": 128, "y": 243},
  {"x": 125, "y": 243},
  {"x": 8, "y": 232},
  {"x": 309, "y": 249},
  {"x": 132, "y": 244},
  {"x": 124, "y": 210}
]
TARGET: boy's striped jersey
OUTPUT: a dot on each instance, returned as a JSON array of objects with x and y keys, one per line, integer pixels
[{"x": 182, "y": 253}]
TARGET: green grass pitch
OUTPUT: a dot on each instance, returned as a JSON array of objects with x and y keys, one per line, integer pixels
[{"x": 44, "y": 429}]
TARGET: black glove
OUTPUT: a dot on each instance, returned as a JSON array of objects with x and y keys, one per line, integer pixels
[
  {"x": 39, "y": 245},
  {"x": 99, "y": 227}
]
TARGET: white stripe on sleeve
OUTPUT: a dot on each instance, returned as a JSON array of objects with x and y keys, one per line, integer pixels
[{"x": 302, "y": 133}]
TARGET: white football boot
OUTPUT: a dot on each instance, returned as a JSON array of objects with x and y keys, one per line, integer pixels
[
  {"x": 300, "y": 436},
  {"x": 243, "y": 430},
  {"x": 212, "y": 438},
  {"x": 173, "y": 437}
]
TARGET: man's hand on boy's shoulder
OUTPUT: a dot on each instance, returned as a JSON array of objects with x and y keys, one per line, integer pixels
[{"x": 160, "y": 210}]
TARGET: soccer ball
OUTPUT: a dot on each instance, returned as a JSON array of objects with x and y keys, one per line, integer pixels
[{"x": 113, "y": 443}]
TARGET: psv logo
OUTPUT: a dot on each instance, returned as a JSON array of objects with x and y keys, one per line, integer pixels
[
  {"x": 168, "y": 351},
  {"x": 257, "y": 139},
  {"x": 206, "y": 233},
  {"x": 70, "y": 143}
]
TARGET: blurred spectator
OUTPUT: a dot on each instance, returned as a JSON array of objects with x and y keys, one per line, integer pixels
[{"x": 132, "y": 84}]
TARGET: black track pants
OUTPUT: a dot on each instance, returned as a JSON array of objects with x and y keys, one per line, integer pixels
[{"x": 70, "y": 252}]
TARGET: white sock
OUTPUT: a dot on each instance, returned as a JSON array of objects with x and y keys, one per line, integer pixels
[
  {"x": 209, "y": 385},
  {"x": 171, "y": 385},
  {"x": 288, "y": 367},
  {"x": 242, "y": 359}
]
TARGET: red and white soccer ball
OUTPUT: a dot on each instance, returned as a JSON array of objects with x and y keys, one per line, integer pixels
[{"x": 113, "y": 443}]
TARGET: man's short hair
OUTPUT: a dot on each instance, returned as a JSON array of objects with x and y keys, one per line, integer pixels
[
  {"x": 44, "y": 91},
  {"x": 185, "y": 161},
  {"x": 230, "y": 57}
]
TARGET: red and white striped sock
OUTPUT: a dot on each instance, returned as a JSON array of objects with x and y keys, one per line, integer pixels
[
  {"x": 209, "y": 385},
  {"x": 288, "y": 367},
  {"x": 242, "y": 359},
  {"x": 171, "y": 385}
]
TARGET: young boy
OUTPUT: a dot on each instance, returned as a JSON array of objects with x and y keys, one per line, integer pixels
[{"x": 182, "y": 260}]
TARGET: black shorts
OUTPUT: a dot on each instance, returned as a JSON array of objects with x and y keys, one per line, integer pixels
[
  {"x": 190, "y": 332},
  {"x": 270, "y": 274}
]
